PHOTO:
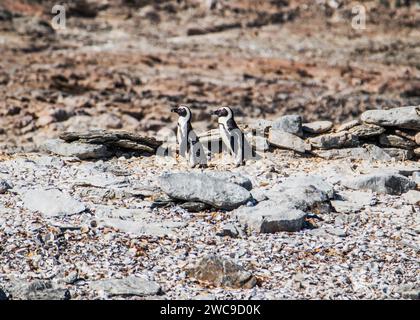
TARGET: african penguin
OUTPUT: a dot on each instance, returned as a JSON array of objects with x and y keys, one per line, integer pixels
[
  {"x": 188, "y": 142},
  {"x": 231, "y": 135}
]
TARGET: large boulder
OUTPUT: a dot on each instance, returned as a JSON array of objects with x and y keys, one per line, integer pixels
[
  {"x": 193, "y": 186},
  {"x": 390, "y": 140},
  {"x": 317, "y": 127},
  {"x": 403, "y": 117},
  {"x": 75, "y": 149},
  {"x": 334, "y": 140}
]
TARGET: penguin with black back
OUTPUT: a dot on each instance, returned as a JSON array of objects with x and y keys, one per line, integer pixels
[
  {"x": 231, "y": 135},
  {"x": 188, "y": 142}
]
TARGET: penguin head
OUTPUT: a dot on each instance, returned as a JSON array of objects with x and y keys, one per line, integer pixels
[
  {"x": 183, "y": 111},
  {"x": 224, "y": 112}
]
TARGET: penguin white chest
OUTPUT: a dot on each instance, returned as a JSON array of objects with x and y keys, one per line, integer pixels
[{"x": 225, "y": 135}]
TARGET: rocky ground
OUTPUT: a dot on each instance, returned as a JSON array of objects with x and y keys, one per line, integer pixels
[{"x": 330, "y": 210}]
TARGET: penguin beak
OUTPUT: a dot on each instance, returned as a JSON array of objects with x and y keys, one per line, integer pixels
[
  {"x": 214, "y": 112},
  {"x": 174, "y": 110}
]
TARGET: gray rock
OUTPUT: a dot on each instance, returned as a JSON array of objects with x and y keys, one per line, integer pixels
[
  {"x": 4, "y": 186},
  {"x": 366, "y": 130},
  {"x": 339, "y": 232},
  {"x": 334, "y": 140},
  {"x": 230, "y": 230},
  {"x": 129, "y": 286},
  {"x": 347, "y": 125},
  {"x": 232, "y": 177},
  {"x": 189, "y": 186},
  {"x": 270, "y": 217},
  {"x": 37, "y": 290},
  {"x": 289, "y": 123},
  {"x": 381, "y": 182},
  {"x": 222, "y": 272},
  {"x": 416, "y": 152},
  {"x": 51, "y": 202},
  {"x": 261, "y": 125},
  {"x": 193, "y": 206},
  {"x": 288, "y": 141},
  {"x": 417, "y": 138},
  {"x": 317, "y": 126},
  {"x": 403, "y": 117},
  {"x": 399, "y": 154},
  {"x": 287, "y": 205},
  {"x": 75, "y": 149},
  {"x": 351, "y": 201},
  {"x": 390, "y": 140},
  {"x": 259, "y": 143},
  {"x": 367, "y": 152},
  {"x": 416, "y": 177}
]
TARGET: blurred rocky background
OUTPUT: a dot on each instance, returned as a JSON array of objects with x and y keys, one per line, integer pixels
[{"x": 123, "y": 64}]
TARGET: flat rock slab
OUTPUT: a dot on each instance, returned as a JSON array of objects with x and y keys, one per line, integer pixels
[
  {"x": 221, "y": 272},
  {"x": 390, "y": 140},
  {"x": 51, "y": 202},
  {"x": 232, "y": 177},
  {"x": 129, "y": 286},
  {"x": 317, "y": 127},
  {"x": 388, "y": 183},
  {"x": 403, "y": 117},
  {"x": 75, "y": 149},
  {"x": 366, "y": 130},
  {"x": 37, "y": 290},
  {"x": 191, "y": 186},
  {"x": 367, "y": 152},
  {"x": 351, "y": 201},
  {"x": 412, "y": 197},
  {"x": 334, "y": 140},
  {"x": 287, "y": 140}
]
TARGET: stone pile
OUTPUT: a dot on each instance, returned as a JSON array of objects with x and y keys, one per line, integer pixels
[{"x": 378, "y": 135}]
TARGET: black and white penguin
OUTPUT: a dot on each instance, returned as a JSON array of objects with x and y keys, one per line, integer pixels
[
  {"x": 231, "y": 135},
  {"x": 188, "y": 142}
]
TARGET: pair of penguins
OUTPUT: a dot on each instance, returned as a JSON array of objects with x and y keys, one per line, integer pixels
[{"x": 189, "y": 143}]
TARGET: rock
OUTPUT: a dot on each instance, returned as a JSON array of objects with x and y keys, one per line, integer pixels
[
  {"x": 221, "y": 272},
  {"x": 230, "y": 230},
  {"x": 189, "y": 186},
  {"x": 289, "y": 123},
  {"x": 4, "y": 186},
  {"x": 32, "y": 26},
  {"x": 37, "y": 290},
  {"x": 260, "y": 126},
  {"x": 416, "y": 178},
  {"x": 287, "y": 205},
  {"x": 351, "y": 201},
  {"x": 403, "y": 117},
  {"x": 399, "y": 154},
  {"x": 334, "y": 140},
  {"x": 412, "y": 197},
  {"x": 288, "y": 141},
  {"x": 232, "y": 177},
  {"x": 142, "y": 228},
  {"x": 128, "y": 286},
  {"x": 317, "y": 126},
  {"x": 416, "y": 152},
  {"x": 368, "y": 152},
  {"x": 194, "y": 206},
  {"x": 339, "y": 232},
  {"x": 388, "y": 183},
  {"x": 348, "y": 125},
  {"x": 51, "y": 202},
  {"x": 366, "y": 130},
  {"x": 75, "y": 149},
  {"x": 389, "y": 140},
  {"x": 417, "y": 138},
  {"x": 270, "y": 217},
  {"x": 258, "y": 143}
]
